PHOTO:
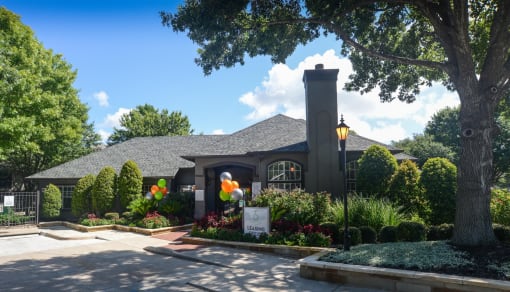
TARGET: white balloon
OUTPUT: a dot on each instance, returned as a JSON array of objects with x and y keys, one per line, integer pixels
[
  {"x": 225, "y": 175},
  {"x": 237, "y": 194},
  {"x": 148, "y": 196}
]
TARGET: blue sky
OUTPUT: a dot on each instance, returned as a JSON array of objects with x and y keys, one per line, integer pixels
[{"x": 125, "y": 57}]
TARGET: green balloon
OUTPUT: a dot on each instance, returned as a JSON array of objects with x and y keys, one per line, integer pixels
[
  {"x": 224, "y": 196},
  {"x": 161, "y": 183},
  {"x": 158, "y": 195}
]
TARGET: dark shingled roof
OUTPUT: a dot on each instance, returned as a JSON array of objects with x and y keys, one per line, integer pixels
[{"x": 164, "y": 156}]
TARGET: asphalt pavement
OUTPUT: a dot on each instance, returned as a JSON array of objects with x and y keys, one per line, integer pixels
[{"x": 62, "y": 259}]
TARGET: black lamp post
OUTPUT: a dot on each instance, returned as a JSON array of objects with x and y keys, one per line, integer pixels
[{"x": 342, "y": 131}]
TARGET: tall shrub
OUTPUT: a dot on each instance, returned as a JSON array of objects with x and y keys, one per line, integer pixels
[
  {"x": 81, "y": 198},
  {"x": 51, "y": 202},
  {"x": 439, "y": 180},
  {"x": 376, "y": 167},
  {"x": 405, "y": 189},
  {"x": 104, "y": 190},
  {"x": 130, "y": 183}
]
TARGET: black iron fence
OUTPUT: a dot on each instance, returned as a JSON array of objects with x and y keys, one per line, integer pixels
[{"x": 19, "y": 208}]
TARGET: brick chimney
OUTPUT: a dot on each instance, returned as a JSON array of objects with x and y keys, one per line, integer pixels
[{"x": 323, "y": 172}]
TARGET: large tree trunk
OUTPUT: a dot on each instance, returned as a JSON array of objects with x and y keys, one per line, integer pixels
[{"x": 473, "y": 222}]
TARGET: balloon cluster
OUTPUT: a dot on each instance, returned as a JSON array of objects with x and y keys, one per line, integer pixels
[
  {"x": 157, "y": 191},
  {"x": 229, "y": 188}
]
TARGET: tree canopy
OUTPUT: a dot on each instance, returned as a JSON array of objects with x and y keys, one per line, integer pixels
[
  {"x": 395, "y": 46},
  {"x": 444, "y": 128},
  {"x": 146, "y": 120},
  {"x": 42, "y": 120}
]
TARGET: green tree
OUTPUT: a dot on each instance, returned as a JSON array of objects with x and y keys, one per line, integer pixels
[
  {"x": 81, "y": 201},
  {"x": 51, "y": 202},
  {"x": 424, "y": 147},
  {"x": 444, "y": 128},
  {"x": 130, "y": 183},
  {"x": 396, "y": 46},
  {"x": 438, "y": 179},
  {"x": 104, "y": 191},
  {"x": 376, "y": 167},
  {"x": 146, "y": 120},
  {"x": 42, "y": 120}
]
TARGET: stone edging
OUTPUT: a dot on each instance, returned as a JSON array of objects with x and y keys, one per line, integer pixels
[
  {"x": 293, "y": 251},
  {"x": 393, "y": 279},
  {"x": 139, "y": 230}
]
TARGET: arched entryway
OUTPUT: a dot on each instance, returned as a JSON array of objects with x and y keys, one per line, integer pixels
[{"x": 243, "y": 174}]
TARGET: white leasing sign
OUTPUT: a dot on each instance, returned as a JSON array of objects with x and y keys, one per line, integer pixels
[
  {"x": 9, "y": 201},
  {"x": 256, "y": 220}
]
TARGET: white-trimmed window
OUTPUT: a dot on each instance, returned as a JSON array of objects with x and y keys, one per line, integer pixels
[
  {"x": 284, "y": 175},
  {"x": 352, "y": 169},
  {"x": 67, "y": 195}
]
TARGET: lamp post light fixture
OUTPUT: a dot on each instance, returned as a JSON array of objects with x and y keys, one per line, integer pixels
[{"x": 342, "y": 131}]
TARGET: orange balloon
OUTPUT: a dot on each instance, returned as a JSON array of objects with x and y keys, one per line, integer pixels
[
  {"x": 235, "y": 184},
  {"x": 226, "y": 186},
  {"x": 154, "y": 189},
  {"x": 164, "y": 191}
]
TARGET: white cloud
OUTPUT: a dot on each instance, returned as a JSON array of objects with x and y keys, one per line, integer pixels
[
  {"x": 113, "y": 120},
  {"x": 218, "y": 132},
  {"x": 102, "y": 98},
  {"x": 282, "y": 91},
  {"x": 104, "y": 135}
]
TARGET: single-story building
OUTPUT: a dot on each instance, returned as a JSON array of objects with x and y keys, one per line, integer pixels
[{"x": 279, "y": 152}]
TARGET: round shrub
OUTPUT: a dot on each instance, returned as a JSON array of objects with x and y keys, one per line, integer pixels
[
  {"x": 130, "y": 183},
  {"x": 440, "y": 232},
  {"x": 502, "y": 232},
  {"x": 368, "y": 234},
  {"x": 388, "y": 234},
  {"x": 51, "y": 202},
  {"x": 355, "y": 234},
  {"x": 439, "y": 180},
  {"x": 112, "y": 216},
  {"x": 333, "y": 230},
  {"x": 104, "y": 190},
  {"x": 411, "y": 231},
  {"x": 81, "y": 198},
  {"x": 376, "y": 167}
]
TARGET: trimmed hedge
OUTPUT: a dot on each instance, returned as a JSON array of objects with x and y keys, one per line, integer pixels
[
  {"x": 81, "y": 199},
  {"x": 104, "y": 190},
  {"x": 51, "y": 202},
  {"x": 388, "y": 234},
  {"x": 411, "y": 231},
  {"x": 439, "y": 180},
  {"x": 130, "y": 183},
  {"x": 376, "y": 167}
]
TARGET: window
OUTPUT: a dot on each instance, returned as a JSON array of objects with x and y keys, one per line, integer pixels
[
  {"x": 352, "y": 168},
  {"x": 67, "y": 195},
  {"x": 284, "y": 175}
]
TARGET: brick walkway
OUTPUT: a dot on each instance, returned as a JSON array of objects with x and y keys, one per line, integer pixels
[{"x": 175, "y": 243}]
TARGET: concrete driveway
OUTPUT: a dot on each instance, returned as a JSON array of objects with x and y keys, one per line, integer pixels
[{"x": 119, "y": 261}]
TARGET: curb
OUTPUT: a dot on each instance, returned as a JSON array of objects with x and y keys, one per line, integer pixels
[
  {"x": 292, "y": 251},
  {"x": 124, "y": 228},
  {"x": 172, "y": 253},
  {"x": 393, "y": 279}
]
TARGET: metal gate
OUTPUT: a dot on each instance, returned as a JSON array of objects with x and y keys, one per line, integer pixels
[{"x": 19, "y": 208}]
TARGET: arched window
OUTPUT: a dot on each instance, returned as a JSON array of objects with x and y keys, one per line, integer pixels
[{"x": 284, "y": 175}]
